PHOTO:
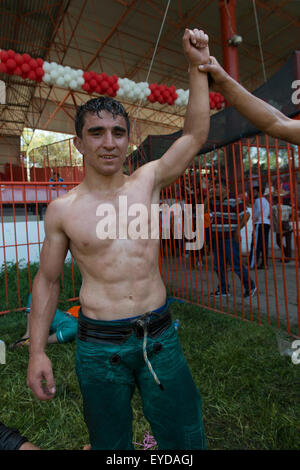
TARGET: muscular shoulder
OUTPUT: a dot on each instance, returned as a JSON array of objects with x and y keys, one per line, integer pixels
[{"x": 58, "y": 210}]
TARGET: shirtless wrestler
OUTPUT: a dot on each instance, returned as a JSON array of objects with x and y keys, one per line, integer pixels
[{"x": 125, "y": 334}]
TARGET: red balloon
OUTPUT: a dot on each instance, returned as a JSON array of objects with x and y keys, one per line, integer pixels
[
  {"x": 115, "y": 86},
  {"x": 26, "y": 58},
  {"x": 19, "y": 59},
  {"x": 18, "y": 71},
  {"x": 3, "y": 56},
  {"x": 93, "y": 83},
  {"x": 25, "y": 68},
  {"x": 40, "y": 62},
  {"x": 11, "y": 54},
  {"x": 87, "y": 76},
  {"x": 86, "y": 87},
  {"x": 32, "y": 75},
  {"x": 11, "y": 64},
  {"x": 110, "y": 81},
  {"x": 39, "y": 72},
  {"x": 33, "y": 64},
  {"x": 156, "y": 93},
  {"x": 3, "y": 68},
  {"x": 109, "y": 91},
  {"x": 104, "y": 85},
  {"x": 151, "y": 98}
]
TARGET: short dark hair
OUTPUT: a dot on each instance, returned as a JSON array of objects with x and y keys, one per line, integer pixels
[{"x": 96, "y": 105}]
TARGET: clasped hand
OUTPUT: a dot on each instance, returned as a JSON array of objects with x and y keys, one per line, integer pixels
[{"x": 195, "y": 46}]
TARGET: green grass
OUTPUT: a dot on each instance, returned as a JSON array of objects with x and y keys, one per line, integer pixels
[
  {"x": 249, "y": 391},
  {"x": 19, "y": 278}
]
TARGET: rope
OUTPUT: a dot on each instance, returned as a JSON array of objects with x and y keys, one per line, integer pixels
[
  {"x": 229, "y": 17},
  {"x": 158, "y": 39},
  {"x": 143, "y": 323},
  {"x": 152, "y": 60},
  {"x": 259, "y": 41}
]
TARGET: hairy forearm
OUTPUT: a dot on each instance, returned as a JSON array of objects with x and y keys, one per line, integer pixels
[
  {"x": 45, "y": 295},
  {"x": 261, "y": 114}
]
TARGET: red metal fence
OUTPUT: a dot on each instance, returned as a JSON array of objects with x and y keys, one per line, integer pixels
[{"x": 269, "y": 167}]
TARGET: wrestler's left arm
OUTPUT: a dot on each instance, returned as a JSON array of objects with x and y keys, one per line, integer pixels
[{"x": 196, "y": 125}]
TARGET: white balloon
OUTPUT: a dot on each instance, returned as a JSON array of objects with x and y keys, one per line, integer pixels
[
  {"x": 54, "y": 74},
  {"x": 73, "y": 84},
  {"x": 46, "y": 78},
  {"x": 46, "y": 67},
  {"x": 60, "y": 81}
]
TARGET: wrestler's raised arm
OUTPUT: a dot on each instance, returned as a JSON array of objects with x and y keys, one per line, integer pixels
[
  {"x": 45, "y": 295},
  {"x": 261, "y": 114},
  {"x": 196, "y": 125}
]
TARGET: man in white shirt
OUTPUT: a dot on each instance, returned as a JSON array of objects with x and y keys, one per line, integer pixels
[
  {"x": 283, "y": 226},
  {"x": 260, "y": 240}
]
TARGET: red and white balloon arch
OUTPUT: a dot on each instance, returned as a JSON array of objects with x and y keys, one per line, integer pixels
[{"x": 52, "y": 73}]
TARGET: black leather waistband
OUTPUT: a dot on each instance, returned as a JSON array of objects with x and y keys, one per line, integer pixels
[{"x": 118, "y": 334}]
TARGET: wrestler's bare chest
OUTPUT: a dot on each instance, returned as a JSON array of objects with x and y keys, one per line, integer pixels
[{"x": 97, "y": 222}]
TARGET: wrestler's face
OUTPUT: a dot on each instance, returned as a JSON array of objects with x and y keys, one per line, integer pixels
[{"x": 104, "y": 142}]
